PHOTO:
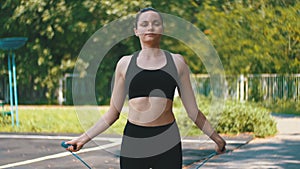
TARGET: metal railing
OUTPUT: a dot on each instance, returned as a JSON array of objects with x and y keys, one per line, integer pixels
[{"x": 255, "y": 87}]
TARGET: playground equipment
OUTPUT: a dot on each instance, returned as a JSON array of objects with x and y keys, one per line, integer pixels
[{"x": 9, "y": 45}]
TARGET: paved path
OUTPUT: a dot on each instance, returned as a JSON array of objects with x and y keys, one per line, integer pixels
[{"x": 279, "y": 152}]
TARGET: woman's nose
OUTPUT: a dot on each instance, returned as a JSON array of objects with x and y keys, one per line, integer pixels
[{"x": 150, "y": 27}]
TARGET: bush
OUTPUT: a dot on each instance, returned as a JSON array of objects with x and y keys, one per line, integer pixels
[
  {"x": 236, "y": 117},
  {"x": 246, "y": 117},
  {"x": 284, "y": 106}
]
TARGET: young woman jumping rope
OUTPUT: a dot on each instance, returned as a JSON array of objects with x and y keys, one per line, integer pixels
[{"x": 149, "y": 77}]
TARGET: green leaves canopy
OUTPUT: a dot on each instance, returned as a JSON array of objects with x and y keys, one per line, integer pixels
[{"x": 249, "y": 36}]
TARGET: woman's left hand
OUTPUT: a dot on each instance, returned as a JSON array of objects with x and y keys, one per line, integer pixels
[{"x": 221, "y": 147}]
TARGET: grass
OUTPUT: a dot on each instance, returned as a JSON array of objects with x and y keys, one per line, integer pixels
[
  {"x": 46, "y": 119},
  {"x": 69, "y": 119},
  {"x": 284, "y": 106},
  {"x": 235, "y": 118}
]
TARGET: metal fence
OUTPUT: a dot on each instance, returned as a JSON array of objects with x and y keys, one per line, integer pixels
[{"x": 255, "y": 87}]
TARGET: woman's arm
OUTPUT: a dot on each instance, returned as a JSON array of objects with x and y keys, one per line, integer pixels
[
  {"x": 116, "y": 104},
  {"x": 189, "y": 101}
]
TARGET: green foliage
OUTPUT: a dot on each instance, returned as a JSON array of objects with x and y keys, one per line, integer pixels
[
  {"x": 45, "y": 120},
  {"x": 258, "y": 37},
  {"x": 284, "y": 106},
  {"x": 246, "y": 117},
  {"x": 249, "y": 36},
  {"x": 235, "y": 118},
  {"x": 57, "y": 30}
]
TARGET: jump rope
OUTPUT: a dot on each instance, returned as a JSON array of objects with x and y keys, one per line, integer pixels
[
  {"x": 206, "y": 159},
  {"x": 214, "y": 154},
  {"x": 64, "y": 145}
]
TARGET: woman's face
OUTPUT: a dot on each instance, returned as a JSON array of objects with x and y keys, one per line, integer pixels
[{"x": 149, "y": 26}]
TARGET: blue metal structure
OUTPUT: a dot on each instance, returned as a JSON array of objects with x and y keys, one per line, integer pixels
[{"x": 9, "y": 45}]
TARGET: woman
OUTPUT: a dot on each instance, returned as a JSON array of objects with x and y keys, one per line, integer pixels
[{"x": 151, "y": 138}]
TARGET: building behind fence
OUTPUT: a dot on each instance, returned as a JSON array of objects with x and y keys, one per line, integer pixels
[{"x": 255, "y": 87}]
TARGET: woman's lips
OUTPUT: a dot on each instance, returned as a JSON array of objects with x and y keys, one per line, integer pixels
[{"x": 150, "y": 34}]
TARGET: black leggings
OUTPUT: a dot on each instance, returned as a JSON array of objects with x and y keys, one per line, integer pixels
[{"x": 151, "y": 147}]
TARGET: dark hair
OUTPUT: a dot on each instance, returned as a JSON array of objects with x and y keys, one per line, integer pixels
[{"x": 145, "y": 10}]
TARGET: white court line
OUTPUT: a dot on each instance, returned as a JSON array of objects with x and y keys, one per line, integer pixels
[
  {"x": 45, "y": 137},
  {"x": 59, "y": 155},
  {"x": 111, "y": 139},
  {"x": 115, "y": 142}
]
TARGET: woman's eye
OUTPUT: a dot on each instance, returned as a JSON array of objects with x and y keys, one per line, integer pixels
[
  {"x": 156, "y": 23},
  {"x": 143, "y": 24}
]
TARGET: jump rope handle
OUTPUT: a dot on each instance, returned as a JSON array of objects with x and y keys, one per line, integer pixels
[{"x": 64, "y": 145}]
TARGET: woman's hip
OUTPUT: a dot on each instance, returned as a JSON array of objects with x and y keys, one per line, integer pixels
[{"x": 142, "y": 141}]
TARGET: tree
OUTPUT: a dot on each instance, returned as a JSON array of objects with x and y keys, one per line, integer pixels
[
  {"x": 249, "y": 36},
  {"x": 57, "y": 30},
  {"x": 258, "y": 37}
]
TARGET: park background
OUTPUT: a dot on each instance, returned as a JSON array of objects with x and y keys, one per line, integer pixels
[{"x": 257, "y": 42}]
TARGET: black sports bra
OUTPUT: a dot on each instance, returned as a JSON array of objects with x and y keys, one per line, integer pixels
[{"x": 151, "y": 83}]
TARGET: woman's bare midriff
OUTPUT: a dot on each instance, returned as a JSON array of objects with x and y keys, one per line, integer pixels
[{"x": 150, "y": 111}]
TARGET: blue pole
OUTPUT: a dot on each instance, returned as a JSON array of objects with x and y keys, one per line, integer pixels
[
  {"x": 15, "y": 87},
  {"x": 10, "y": 90},
  {"x": 10, "y": 44}
]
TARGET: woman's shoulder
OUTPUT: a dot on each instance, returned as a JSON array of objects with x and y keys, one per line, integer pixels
[
  {"x": 125, "y": 59},
  {"x": 178, "y": 59},
  {"x": 124, "y": 62},
  {"x": 179, "y": 62}
]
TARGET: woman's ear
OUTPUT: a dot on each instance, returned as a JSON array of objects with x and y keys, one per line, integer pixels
[{"x": 135, "y": 31}]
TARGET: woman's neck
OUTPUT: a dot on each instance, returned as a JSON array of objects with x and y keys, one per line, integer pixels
[
  {"x": 151, "y": 52},
  {"x": 155, "y": 44}
]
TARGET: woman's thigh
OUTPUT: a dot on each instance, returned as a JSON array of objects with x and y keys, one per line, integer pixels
[
  {"x": 151, "y": 147},
  {"x": 171, "y": 159}
]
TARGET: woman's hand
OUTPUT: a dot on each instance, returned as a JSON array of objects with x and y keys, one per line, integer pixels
[
  {"x": 220, "y": 147},
  {"x": 75, "y": 145}
]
